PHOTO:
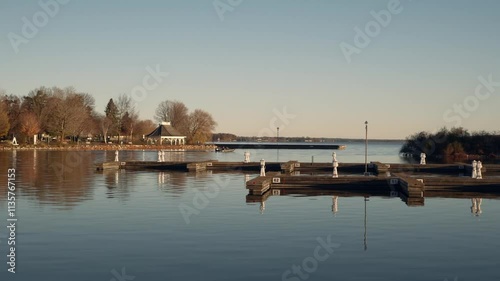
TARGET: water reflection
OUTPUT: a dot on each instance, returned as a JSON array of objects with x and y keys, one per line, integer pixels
[
  {"x": 335, "y": 205},
  {"x": 51, "y": 177},
  {"x": 162, "y": 178},
  {"x": 365, "y": 235},
  {"x": 475, "y": 209},
  {"x": 390, "y": 194},
  {"x": 121, "y": 183}
]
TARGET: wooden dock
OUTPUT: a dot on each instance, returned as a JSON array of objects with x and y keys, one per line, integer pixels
[
  {"x": 375, "y": 168},
  {"x": 413, "y": 182}
]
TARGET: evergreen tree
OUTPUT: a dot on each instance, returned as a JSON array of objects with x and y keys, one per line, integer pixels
[{"x": 112, "y": 114}]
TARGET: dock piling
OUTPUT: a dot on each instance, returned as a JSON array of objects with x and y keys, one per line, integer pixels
[
  {"x": 422, "y": 158},
  {"x": 474, "y": 169},
  {"x": 479, "y": 173}
]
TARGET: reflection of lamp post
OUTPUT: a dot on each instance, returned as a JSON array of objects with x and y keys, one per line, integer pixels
[
  {"x": 366, "y": 148},
  {"x": 366, "y": 244}
]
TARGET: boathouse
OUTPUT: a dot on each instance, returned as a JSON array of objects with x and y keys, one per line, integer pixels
[{"x": 165, "y": 132}]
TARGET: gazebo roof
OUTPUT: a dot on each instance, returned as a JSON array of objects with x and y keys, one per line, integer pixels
[{"x": 164, "y": 130}]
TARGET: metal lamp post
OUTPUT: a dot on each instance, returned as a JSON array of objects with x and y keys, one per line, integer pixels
[
  {"x": 277, "y": 143},
  {"x": 366, "y": 148}
]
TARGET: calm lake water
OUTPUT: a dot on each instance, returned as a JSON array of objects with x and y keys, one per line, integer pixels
[{"x": 76, "y": 224}]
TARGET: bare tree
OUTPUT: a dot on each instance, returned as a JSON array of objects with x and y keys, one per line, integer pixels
[
  {"x": 125, "y": 109},
  {"x": 30, "y": 125},
  {"x": 144, "y": 127},
  {"x": 36, "y": 102},
  {"x": 161, "y": 113},
  {"x": 67, "y": 112},
  {"x": 179, "y": 116},
  {"x": 104, "y": 125},
  {"x": 175, "y": 112},
  {"x": 200, "y": 126},
  {"x": 12, "y": 105}
]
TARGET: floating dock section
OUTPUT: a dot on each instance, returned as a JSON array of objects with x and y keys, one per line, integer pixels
[{"x": 412, "y": 181}]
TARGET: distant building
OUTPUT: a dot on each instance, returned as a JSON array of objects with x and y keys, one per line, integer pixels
[{"x": 165, "y": 132}]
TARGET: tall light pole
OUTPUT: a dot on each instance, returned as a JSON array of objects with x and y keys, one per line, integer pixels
[
  {"x": 277, "y": 147},
  {"x": 366, "y": 148}
]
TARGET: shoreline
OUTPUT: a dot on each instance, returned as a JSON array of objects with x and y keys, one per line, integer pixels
[{"x": 89, "y": 147}]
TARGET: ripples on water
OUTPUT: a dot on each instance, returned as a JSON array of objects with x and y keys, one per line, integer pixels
[{"x": 76, "y": 224}]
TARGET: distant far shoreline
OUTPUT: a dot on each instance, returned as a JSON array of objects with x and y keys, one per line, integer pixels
[
  {"x": 227, "y": 137},
  {"x": 99, "y": 147}
]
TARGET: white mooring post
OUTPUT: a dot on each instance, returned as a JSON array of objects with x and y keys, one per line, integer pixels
[
  {"x": 159, "y": 155},
  {"x": 479, "y": 173},
  {"x": 163, "y": 156},
  {"x": 474, "y": 169},
  {"x": 116, "y": 156},
  {"x": 422, "y": 158},
  {"x": 262, "y": 168},
  {"x": 335, "y": 165},
  {"x": 247, "y": 157}
]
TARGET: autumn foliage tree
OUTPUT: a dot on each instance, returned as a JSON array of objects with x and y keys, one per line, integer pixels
[
  {"x": 197, "y": 126},
  {"x": 4, "y": 120},
  {"x": 30, "y": 125},
  {"x": 144, "y": 127},
  {"x": 37, "y": 103},
  {"x": 68, "y": 111},
  {"x": 65, "y": 112},
  {"x": 200, "y": 126}
]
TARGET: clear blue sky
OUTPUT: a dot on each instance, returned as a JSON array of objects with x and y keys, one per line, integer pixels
[{"x": 266, "y": 55}]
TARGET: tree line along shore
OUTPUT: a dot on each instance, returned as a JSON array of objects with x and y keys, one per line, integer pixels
[
  {"x": 453, "y": 145},
  {"x": 66, "y": 116},
  {"x": 99, "y": 147}
]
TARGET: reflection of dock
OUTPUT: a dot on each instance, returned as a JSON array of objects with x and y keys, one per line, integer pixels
[{"x": 410, "y": 201}]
